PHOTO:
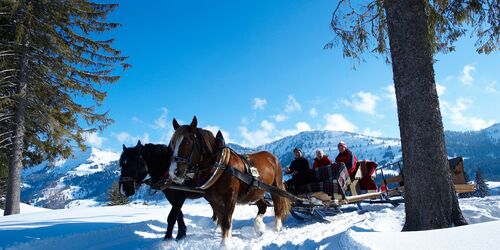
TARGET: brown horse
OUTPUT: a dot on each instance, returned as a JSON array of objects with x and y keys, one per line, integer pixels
[{"x": 196, "y": 152}]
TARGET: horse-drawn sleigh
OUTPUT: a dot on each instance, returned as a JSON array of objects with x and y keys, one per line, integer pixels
[{"x": 197, "y": 164}]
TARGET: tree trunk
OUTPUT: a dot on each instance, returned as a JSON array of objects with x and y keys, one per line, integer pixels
[
  {"x": 430, "y": 200},
  {"x": 16, "y": 157}
]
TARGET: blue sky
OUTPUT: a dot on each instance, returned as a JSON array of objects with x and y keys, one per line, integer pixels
[{"x": 257, "y": 70}]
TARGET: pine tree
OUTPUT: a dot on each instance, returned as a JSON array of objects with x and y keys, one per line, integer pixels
[
  {"x": 482, "y": 189},
  {"x": 415, "y": 31},
  {"x": 115, "y": 197},
  {"x": 58, "y": 56}
]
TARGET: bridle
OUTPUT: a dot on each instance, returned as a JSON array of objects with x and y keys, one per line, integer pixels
[
  {"x": 136, "y": 176},
  {"x": 192, "y": 166}
]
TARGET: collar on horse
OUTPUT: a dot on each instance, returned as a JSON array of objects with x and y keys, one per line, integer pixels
[{"x": 218, "y": 168}]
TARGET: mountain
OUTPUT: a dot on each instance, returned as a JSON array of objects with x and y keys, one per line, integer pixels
[
  {"x": 481, "y": 149},
  {"x": 88, "y": 176}
]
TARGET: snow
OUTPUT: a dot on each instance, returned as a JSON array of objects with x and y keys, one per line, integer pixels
[
  {"x": 97, "y": 161},
  {"x": 494, "y": 187},
  {"x": 136, "y": 226}
]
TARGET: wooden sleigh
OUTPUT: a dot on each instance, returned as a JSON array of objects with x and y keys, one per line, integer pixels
[
  {"x": 360, "y": 186},
  {"x": 394, "y": 185},
  {"x": 368, "y": 186}
]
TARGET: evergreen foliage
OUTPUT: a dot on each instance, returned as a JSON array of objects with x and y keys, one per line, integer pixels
[
  {"x": 54, "y": 68},
  {"x": 482, "y": 189},
  {"x": 115, "y": 197},
  {"x": 66, "y": 62},
  {"x": 361, "y": 28}
]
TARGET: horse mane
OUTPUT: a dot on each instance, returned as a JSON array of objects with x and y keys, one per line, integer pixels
[{"x": 207, "y": 137}]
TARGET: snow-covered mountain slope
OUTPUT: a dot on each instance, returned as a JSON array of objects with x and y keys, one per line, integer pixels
[
  {"x": 143, "y": 227},
  {"x": 53, "y": 185},
  {"x": 494, "y": 132}
]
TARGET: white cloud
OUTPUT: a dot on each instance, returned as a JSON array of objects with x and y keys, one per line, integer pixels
[
  {"x": 254, "y": 138},
  {"x": 123, "y": 137},
  {"x": 440, "y": 89},
  {"x": 492, "y": 88},
  {"x": 299, "y": 127},
  {"x": 364, "y": 102},
  {"x": 369, "y": 132},
  {"x": 292, "y": 105},
  {"x": 259, "y": 103},
  {"x": 161, "y": 122},
  {"x": 94, "y": 140},
  {"x": 268, "y": 133},
  {"x": 279, "y": 117},
  {"x": 313, "y": 112},
  {"x": 469, "y": 122},
  {"x": 466, "y": 77},
  {"x": 339, "y": 123},
  {"x": 267, "y": 126},
  {"x": 225, "y": 134}
]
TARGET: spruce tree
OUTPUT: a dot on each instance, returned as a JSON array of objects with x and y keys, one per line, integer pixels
[
  {"x": 60, "y": 58},
  {"x": 115, "y": 197},
  {"x": 482, "y": 189},
  {"x": 408, "y": 33}
]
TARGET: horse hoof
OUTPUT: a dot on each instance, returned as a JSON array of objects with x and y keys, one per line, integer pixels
[
  {"x": 168, "y": 237},
  {"x": 180, "y": 236}
]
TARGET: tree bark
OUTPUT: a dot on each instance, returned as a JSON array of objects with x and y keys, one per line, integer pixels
[
  {"x": 13, "y": 197},
  {"x": 430, "y": 200}
]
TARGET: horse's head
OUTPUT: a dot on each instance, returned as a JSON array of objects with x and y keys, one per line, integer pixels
[
  {"x": 191, "y": 147},
  {"x": 133, "y": 169}
]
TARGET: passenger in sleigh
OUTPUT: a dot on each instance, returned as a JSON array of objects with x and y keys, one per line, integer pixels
[
  {"x": 321, "y": 159},
  {"x": 299, "y": 169},
  {"x": 331, "y": 178},
  {"x": 347, "y": 157}
]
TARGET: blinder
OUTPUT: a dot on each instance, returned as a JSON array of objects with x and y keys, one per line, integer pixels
[{"x": 190, "y": 170}]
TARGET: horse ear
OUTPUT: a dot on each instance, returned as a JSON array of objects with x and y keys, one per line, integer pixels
[
  {"x": 139, "y": 144},
  {"x": 124, "y": 147},
  {"x": 194, "y": 123},
  {"x": 220, "y": 139},
  {"x": 176, "y": 124}
]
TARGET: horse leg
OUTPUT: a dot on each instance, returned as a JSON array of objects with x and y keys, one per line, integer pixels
[
  {"x": 172, "y": 217},
  {"x": 180, "y": 198},
  {"x": 217, "y": 214},
  {"x": 181, "y": 226},
  {"x": 172, "y": 198},
  {"x": 259, "y": 225},
  {"x": 227, "y": 217}
]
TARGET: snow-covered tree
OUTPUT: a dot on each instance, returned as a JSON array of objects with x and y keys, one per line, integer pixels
[{"x": 482, "y": 189}]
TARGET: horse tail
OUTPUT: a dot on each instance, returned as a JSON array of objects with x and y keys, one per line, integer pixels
[{"x": 282, "y": 205}]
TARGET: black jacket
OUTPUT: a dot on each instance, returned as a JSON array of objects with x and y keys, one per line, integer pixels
[{"x": 300, "y": 165}]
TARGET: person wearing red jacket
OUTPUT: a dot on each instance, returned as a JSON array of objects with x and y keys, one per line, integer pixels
[
  {"x": 321, "y": 159},
  {"x": 347, "y": 157}
]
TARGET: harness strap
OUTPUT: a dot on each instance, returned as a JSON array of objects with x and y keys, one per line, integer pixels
[
  {"x": 219, "y": 168},
  {"x": 248, "y": 179}
]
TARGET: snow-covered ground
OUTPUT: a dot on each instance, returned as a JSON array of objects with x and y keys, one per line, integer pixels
[{"x": 138, "y": 226}]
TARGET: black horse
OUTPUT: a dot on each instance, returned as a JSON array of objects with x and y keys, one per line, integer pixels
[{"x": 154, "y": 159}]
